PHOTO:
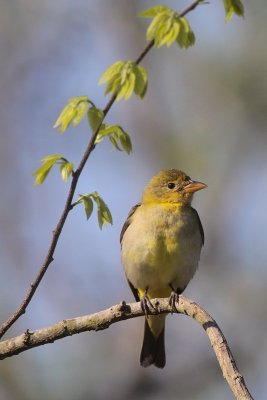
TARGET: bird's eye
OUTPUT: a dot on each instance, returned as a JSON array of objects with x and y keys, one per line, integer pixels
[{"x": 171, "y": 185}]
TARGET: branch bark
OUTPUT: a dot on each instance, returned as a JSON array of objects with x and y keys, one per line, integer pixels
[{"x": 103, "y": 319}]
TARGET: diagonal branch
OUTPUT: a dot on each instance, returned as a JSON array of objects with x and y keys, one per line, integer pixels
[
  {"x": 103, "y": 319},
  {"x": 68, "y": 204}
]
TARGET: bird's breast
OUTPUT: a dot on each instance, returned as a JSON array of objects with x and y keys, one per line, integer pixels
[{"x": 161, "y": 245}]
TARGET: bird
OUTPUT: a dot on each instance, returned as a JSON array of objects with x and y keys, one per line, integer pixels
[{"x": 161, "y": 241}]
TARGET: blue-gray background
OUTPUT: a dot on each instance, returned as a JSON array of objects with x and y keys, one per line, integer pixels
[{"x": 205, "y": 112}]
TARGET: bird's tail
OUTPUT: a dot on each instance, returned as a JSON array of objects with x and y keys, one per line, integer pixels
[{"x": 153, "y": 349}]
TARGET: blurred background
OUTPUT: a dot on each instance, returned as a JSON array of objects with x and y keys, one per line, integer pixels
[{"x": 205, "y": 112}]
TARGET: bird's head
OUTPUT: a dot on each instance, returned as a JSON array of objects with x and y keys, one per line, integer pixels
[{"x": 171, "y": 186}]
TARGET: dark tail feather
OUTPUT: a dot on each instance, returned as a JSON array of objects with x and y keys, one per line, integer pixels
[{"x": 153, "y": 349}]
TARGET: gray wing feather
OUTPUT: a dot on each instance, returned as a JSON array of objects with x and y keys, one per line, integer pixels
[
  {"x": 200, "y": 226},
  {"x": 128, "y": 220},
  {"x": 124, "y": 228}
]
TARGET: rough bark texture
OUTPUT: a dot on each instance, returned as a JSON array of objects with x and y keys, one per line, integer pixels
[{"x": 103, "y": 319}]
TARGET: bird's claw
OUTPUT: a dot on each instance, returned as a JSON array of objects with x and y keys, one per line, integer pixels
[
  {"x": 146, "y": 304},
  {"x": 173, "y": 300}
]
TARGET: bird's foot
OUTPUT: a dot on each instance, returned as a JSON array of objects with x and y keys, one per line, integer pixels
[
  {"x": 173, "y": 300},
  {"x": 146, "y": 304}
]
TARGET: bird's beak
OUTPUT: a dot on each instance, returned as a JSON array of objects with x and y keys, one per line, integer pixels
[{"x": 194, "y": 186}]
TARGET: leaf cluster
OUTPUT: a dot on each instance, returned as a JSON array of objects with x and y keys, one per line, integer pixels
[
  {"x": 66, "y": 168},
  {"x": 103, "y": 212},
  {"x": 123, "y": 78},
  {"x": 73, "y": 112},
  {"x": 118, "y": 137},
  {"x": 167, "y": 26},
  {"x": 116, "y": 134}
]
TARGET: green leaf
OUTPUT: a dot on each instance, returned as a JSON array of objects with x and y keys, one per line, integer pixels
[
  {"x": 88, "y": 206},
  {"x": 65, "y": 118},
  {"x": 52, "y": 157},
  {"x": 112, "y": 70},
  {"x": 185, "y": 36},
  {"x": 75, "y": 101},
  {"x": 127, "y": 87},
  {"x": 95, "y": 117},
  {"x": 131, "y": 84},
  {"x": 74, "y": 111},
  {"x": 126, "y": 143},
  {"x": 153, "y": 11},
  {"x": 87, "y": 203},
  {"x": 167, "y": 26},
  {"x": 125, "y": 71},
  {"x": 107, "y": 130},
  {"x": 157, "y": 23},
  {"x": 113, "y": 84},
  {"x": 140, "y": 87},
  {"x": 124, "y": 139},
  {"x": 238, "y": 8},
  {"x": 101, "y": 134},
  {"x": 114, "y": 140},
  {"x": 162, "y": 29},
  {"x": 124, "y": 79},
  {"x": 172, "y": 34},
  {"x": 42, "y": 172},
  {"x": 124, "y": 83},
  {"x": 66, "y": 169},
  {"x": 233, "y": 7},
  {"x": 191, "y": 39},
  {"x": 103, "y": 212},
  {"x": 118, "y": 137},
  {"x": 81, "y": 109}
]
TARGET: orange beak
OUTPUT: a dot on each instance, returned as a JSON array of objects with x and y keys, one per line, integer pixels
[{"x": 194, "y": 186}]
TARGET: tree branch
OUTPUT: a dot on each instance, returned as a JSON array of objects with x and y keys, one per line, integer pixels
[
  {"x": 68, "y": 205},
  {"x": 103, "y": 319}
]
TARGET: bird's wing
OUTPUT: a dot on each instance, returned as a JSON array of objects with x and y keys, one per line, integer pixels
[
  {"x": 134, "y": 290},
  {"x": 200, "y": 226},
  {"x": 128, "y": 220},
  {"x": 124, "y": 228}
]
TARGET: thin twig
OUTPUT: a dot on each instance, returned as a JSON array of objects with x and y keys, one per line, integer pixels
[
  {"x": 68, "y": 205},
  {"x": 191, "y": 7},
  {"x": 103, "y": 319}
]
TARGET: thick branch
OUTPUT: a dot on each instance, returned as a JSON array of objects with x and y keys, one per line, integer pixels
[
  {"x": 68, "y": 205},
  {"x": 103, "y": 319}
]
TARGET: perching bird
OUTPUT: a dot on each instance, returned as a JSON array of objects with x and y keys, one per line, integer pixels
[{"x": 161, "y": 242}]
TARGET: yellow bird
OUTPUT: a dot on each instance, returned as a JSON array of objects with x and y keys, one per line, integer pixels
[{"x": 161, "y": 242}]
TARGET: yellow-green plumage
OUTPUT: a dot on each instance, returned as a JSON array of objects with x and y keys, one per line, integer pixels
[{"x": 161, "y": 243}]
